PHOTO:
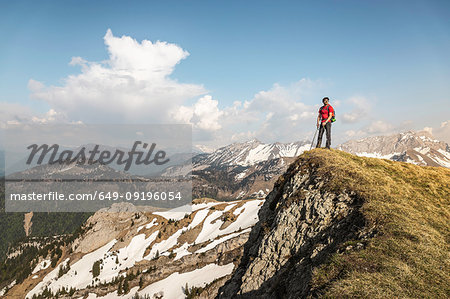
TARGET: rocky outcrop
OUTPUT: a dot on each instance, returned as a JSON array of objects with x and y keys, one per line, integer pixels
[
  {"x": 300, "y": 224},
  {"x": 27, "y": 223}
]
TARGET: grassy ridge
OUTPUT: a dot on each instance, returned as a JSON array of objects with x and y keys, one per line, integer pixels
[{"x": 410, "y": 207}]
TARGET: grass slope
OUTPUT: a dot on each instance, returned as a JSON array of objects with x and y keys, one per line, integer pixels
[{"x": 409, "y": 206}]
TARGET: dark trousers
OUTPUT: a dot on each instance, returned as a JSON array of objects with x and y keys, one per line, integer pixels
[{"x": 321, "y": 130}]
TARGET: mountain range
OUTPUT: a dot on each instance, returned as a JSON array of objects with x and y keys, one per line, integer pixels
[
  {"x": 325, "y": 230},
  {"x": 305, "y": 213},
  {"x": 419, "y": 148},
  {"x": 239, "y": 170},
  {"x": 249, "y": 169}
]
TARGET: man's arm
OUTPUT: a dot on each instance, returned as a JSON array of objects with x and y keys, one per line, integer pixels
[
  {"x": 318, "y": 120},
  {"x": 330, "y": 115}
]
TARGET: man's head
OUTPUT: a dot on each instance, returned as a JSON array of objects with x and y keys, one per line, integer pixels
[{"x": 325, "y": 100}]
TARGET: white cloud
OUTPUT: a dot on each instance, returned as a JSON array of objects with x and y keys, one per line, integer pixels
[
  {"x": 353, "y": 134},
  {"x": 361, "y": 108},
  {"x": 350, "y": 117},
  {"x": 132, "y": 86},
  {"x": 50, "y": 116},
  {"x": 377, "y": 127},
  {"x": 380, "y": 127},
  {"x": 12, "y": 113},
  {"x": 35, "y": 86},
  {"x": 204, "y": 114},
  {"x": 428, "y": 129},
  {"x": 277, "y": 114},
  {"x": 442, "y": 132},
  {"x": 241, "y": 136},
  {"x": 337, "y": 103}
]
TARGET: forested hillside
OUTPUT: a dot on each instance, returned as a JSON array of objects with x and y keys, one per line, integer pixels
[{"x": 44, "y": 224}]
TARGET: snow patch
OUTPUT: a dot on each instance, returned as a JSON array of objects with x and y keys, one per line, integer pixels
[
  {"x": 3, "y": 291},
  {"x": 210, "y": 226},
  {"x": 175, "y": 214},
  {"x": 248, "y": 216},
  {"x": 229, "y": 207},
  {"x": 49, "y": 280},
  {"x": 182, "y": 251},
  {"x": 377, "y": 155},
  {"x": 41, "y": 266},
  {"x": 173, "y": 285},
  {"x": 240, "y": 195},
  {"x": 205, "y": 205},
  {"x": 221, "y": 240},
  {"x": 80, "y": 280},
  {"x": 163, "y": 246},
  {"x": 240, "y": 176},
  {"x": 126, "y": 256},
  {"x": 149, "y": 225},
  {"x": 198, "y": 218}
]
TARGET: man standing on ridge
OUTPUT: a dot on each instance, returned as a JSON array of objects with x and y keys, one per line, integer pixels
[{"x": 326, "y": 112}]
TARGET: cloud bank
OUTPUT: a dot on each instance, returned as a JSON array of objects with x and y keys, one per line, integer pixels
[
  {"x": 132, "y": 86},
  {"x": 135, "y": 84},
  {"x": 442, "y": 132}
]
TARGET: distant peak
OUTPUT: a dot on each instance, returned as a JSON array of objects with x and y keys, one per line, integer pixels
[
  {"x": 254, "y": 140},
  {"x": 425, "y": 133}
]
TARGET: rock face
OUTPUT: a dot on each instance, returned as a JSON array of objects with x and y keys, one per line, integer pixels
[
  {"x": 414, "y": 147},
  {"x": 27, "y": 223},
  {"x": 300, "y": 224}
]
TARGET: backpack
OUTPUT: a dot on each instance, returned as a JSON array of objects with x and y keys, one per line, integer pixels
[{"x": 333, "y": 118}]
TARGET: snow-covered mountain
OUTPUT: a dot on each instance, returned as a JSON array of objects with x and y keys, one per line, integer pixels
[
  {"x": 123, "y": 251},
  {"x": 252, "y": 152},
  {"x": 414, "y": 147},
  {"x": 239, "y": 170}
]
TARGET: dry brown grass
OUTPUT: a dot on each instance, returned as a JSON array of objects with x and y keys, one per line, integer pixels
[
  {"x": 203, "y": 200},
  {"x": 409, "y": 206}
]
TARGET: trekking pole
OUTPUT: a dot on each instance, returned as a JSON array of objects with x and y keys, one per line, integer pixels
[{"x": 312, "y": 142}]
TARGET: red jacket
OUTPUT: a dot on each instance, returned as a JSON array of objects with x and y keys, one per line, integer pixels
[{"x": 324, "y": 112}]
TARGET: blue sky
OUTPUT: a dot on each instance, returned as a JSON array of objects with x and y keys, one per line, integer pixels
[{"x": 391, "y": 56}]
